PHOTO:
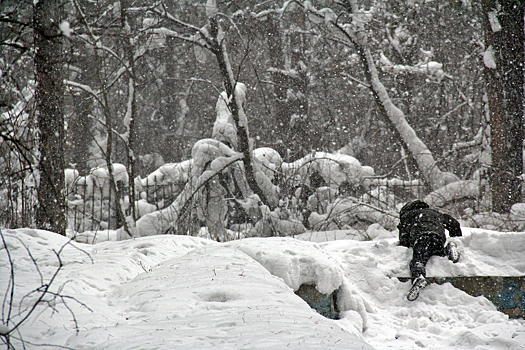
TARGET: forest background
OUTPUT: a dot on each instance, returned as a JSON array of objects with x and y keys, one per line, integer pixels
[{"x": 88, "y": 83}]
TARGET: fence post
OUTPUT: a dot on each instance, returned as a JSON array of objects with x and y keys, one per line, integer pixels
[{"x": 92, "y": 205}]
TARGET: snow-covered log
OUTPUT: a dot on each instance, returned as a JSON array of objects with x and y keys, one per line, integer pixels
[{"x": 453, "y": 192}]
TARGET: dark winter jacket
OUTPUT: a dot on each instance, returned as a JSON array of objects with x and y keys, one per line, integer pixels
[{"x": 416, "y": 218}]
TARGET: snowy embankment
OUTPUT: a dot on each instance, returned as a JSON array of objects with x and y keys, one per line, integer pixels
[{"x": 180, "y": 292}]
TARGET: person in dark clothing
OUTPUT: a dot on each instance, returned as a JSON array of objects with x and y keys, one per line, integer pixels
[{"x": 423, "y": 230}]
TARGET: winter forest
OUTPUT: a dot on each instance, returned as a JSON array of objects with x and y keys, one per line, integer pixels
[{"x": 241, "y": 121}]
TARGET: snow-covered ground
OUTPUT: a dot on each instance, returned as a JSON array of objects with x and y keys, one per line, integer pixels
[{"x": 180, "y": 292}]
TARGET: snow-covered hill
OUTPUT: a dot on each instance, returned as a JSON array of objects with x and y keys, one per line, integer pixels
[{"x": 180, "y": 292}]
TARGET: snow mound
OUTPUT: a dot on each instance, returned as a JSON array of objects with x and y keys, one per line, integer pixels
[
  {"x": 205, "y": 300},
  {"x": 296, "y": 262}
]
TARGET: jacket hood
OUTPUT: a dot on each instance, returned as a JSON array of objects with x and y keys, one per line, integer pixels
[{"x": 414, "y": 205}]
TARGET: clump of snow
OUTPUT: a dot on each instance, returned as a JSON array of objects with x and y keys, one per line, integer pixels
[
  {"x": 296, "y": 262},
  {"x": 334, "y": 168},
  {"x": 224, "y": 128},
  {"x": 269, "y": 159},
  {"x": 488, "y": 58},
  {"x": 167, "y": 173},
  {"x": 65, "y": 29}
]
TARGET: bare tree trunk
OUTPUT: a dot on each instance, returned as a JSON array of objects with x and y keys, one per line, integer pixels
[
  {"x": 289, "y": 113},
  {"x": 279, "y": 108},
  {"x": 131, "y": 111},
  {"x": 503, "y": 23},
  {"x": 241, "y": 122},
  {"x": 104, "y": 103},
  {"x": 51, "y": 212}
]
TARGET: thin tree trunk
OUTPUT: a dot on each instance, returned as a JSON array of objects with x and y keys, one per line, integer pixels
[
  {"x": 51, "y": 212},
  {"x": 131, "y": 111},
  {"x": 279, "y": 105},
  {"x": 239, "y": 118}
]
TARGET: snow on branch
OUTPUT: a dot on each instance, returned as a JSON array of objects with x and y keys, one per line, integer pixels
[
  {"x": 431, "y": 68},
  {"x": 205, "y": 150},
  {"x": 292, "y": 73},
  {"x": 263, "y": 14},
  {"x": 82, "y": 87},
  {"x": 453, "y": 192}
]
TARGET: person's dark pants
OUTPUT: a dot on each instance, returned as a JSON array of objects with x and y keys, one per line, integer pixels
[{"x": 425, "y": 246}]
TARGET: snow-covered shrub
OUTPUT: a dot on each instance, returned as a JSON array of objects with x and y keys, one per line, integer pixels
[
  {"x": 224, "y": 129},
  {"x": 334, "y": 169}
]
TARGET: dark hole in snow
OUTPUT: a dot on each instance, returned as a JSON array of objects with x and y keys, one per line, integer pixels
[{"x": 324, "y": 304}]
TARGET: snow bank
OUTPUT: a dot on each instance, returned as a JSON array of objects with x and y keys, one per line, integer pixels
[
  {"x": 181, "y": 292},
  {"x": 165, "y": 292},
  {"x": 294, "y": 261}
]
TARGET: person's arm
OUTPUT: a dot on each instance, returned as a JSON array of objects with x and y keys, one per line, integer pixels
[
  {"x": 403, "y": 234},
  {"x": 452, "y": 225}
]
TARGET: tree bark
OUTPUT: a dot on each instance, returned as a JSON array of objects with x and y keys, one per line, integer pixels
[
  {"x": 131, "y": 111},
  {"x": 280, "y": 110},
  {"x": 292, "y": 134},
  {"x": 51, "y": 211},
  {"x": 503, "y": 24}
]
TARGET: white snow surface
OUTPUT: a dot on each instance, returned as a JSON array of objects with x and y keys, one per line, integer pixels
[{"x": 181, "y": 292}]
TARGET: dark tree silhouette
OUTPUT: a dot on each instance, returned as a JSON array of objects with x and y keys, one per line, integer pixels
[
  {"x": 49, "y": 97},
  {"x": 503, "y": 23}
]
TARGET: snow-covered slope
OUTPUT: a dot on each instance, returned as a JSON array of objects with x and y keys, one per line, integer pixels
[{"x": 180, "y": 292}]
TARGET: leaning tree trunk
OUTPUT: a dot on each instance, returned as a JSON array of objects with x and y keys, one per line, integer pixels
[
  {"x": 434, "y": 177},
  {"x": 234, "y": 104},
  {"x": 51, "y": 211},
  {"x": 395, "y": 118}
]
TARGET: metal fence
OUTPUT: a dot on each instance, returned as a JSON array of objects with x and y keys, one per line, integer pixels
[
  {"x": 98, "y": 209},
  {"x": 90, "y": 208}
]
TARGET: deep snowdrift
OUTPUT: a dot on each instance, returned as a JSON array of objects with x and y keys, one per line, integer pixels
[{"x": 180, "y": 292}]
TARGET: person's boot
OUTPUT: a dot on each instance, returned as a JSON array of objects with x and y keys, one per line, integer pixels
[
  {"x": 419, "y": 283},
  {"x": 452, "y": 252}
]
